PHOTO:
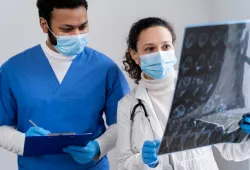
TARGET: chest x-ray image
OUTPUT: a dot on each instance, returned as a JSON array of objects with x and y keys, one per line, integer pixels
[{"x": 213, "y": 88}]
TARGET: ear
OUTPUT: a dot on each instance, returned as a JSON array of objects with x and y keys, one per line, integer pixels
[
  {"x": 134, "y": 56},
  {"x": 44, "y": 25}
]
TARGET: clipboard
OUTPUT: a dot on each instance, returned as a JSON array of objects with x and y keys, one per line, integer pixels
[{"x": 53, "y": 144}]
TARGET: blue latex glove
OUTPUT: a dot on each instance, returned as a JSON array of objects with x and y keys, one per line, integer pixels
[
  {"x": 37, "y": 131},
  {"x": 245, "y": 123},
  {"x": 149, "y": 153},
  {"x": 84, "y": 155}
]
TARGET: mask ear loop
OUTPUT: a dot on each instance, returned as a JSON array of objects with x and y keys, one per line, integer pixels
[
  {"x": 138, "y": 56},
  {"x": 50, "y": 29}
]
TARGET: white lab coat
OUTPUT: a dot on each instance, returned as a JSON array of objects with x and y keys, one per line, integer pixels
[{"x": 197, "y": 159}]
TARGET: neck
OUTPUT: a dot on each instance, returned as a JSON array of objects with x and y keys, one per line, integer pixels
[
  {"x": 159, "y": 85},
  {"x": 147, "y": 77},
  {"x": 51, "y": 46}
]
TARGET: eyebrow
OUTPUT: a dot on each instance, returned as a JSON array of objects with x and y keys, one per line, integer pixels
[
  {"x": 164, "y": 42},
  {"x": 68, "y": 25}
]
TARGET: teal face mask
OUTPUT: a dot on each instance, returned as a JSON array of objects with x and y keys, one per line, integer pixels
[
  {"x": 70, "y": 45},
  {"x": 157, "y": 65}
]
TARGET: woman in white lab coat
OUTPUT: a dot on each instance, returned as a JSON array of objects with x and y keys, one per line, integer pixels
[{"x": 150, "y": 44}]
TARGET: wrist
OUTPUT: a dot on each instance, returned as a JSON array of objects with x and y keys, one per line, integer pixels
[
  {"x": 97, "y": 150},
  {"x": 154, "y": 165}
]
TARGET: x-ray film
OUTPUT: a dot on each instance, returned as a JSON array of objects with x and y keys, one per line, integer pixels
[{"x": 213, "y": 88}]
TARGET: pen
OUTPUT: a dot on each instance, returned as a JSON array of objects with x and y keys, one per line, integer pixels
[
  {"x": 53, "y": 134},
  {"x": 32, "y": 123}
]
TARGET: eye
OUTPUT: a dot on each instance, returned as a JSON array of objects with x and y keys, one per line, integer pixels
[
  {"x": 167, "y": 47},
  {"x": 149, "y": 49},
  {"x": 83, "y": 27},
  {"x": 67, "y": 29}
]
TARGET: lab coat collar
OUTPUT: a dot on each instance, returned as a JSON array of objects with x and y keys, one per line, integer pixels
[{"x": 142, "y": 94}]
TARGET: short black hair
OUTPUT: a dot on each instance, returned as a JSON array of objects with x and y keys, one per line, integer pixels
[
  {"x": 45, "y": 7},
  {"x": 130, "y": 66}
]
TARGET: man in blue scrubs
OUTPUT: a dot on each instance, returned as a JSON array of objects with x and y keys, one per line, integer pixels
[{"x": 63, "y": 86}]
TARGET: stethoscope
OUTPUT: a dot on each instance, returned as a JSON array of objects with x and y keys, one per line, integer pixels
[{"x": 132, "y": 116}]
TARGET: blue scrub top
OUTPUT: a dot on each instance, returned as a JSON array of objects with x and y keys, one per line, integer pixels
[{"x": 92, "y": 86}]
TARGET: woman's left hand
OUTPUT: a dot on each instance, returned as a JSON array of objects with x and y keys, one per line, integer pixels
[
  {"x": 149, "y": 153},
  {"x": 245, "y": 123}
]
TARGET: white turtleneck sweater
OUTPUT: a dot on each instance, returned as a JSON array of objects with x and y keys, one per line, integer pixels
[
  {"x": 161, "y": 94},
  {"x": 59, "y": 63},
  {"x": 13, "y": 140}
]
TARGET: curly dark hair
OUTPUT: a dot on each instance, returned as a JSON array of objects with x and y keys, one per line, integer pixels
[{"x": 130, "y": 66}]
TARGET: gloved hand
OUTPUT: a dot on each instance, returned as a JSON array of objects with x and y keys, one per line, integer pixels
[
  {"x": 245, "y": 123},
  {"x": 84, "y": 155},
  {"x": 37, "y": 131},
  {"x": 149, "y": 153}
]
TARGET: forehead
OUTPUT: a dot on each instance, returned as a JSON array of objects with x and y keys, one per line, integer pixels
[
  {"x": 157, "y": 34},
  {"x": 73, "y": 16}
]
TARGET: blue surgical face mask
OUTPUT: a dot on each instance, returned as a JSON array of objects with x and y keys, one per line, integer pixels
[
  {"x": 71, "y": 45},
  {"x": 157, "y": 65}
]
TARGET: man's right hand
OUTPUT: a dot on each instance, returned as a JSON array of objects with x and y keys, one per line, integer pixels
[{"x": 37, "y": 131}]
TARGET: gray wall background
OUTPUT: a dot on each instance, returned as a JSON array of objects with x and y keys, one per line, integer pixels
[{"x": 110, "y": 21}]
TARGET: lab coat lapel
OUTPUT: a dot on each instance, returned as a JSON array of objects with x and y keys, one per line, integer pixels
[{"x": 142, "y": 94}]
